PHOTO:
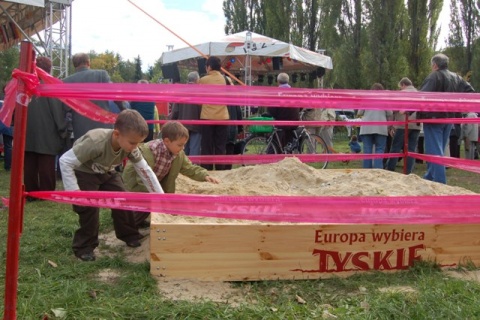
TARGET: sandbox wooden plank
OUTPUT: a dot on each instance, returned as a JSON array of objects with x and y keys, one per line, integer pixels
[{"x": 242, "y": 251}]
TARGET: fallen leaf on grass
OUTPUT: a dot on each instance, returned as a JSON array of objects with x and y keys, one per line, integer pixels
[
  {"x": 53, "y": 264},
  {"x": 300, "y": 299},
  {"x": 328, "y": 315},
  {"x": 365, "y": 305},
  {"x": 92, "y": 294},
  {"x": 60, "y": 313},
  {"x": 273, "y": 309}
]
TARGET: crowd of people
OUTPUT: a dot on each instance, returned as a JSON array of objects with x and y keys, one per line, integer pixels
[
  {"x": 380, "y": 138},
  {"x": 90, "y": 155}
]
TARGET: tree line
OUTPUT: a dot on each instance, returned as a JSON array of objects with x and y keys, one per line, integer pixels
[{"x": 369, "y": 40}]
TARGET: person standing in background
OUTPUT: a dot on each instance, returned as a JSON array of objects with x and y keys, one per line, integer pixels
[
  {"x": 234, "y": 113},
  {"x": 374, "y": 137},
  {"x": 470, "y": 134},
  {"x": 187, "y": 111},
  {"x": 7, "y": 140},
  {"x": 46, "y": 132},
  {"x": 147, "y": 110},
  {"x": 436, "y": 134},
  {"x": 399, "y": 131},
  {"x": 286, "y": 114},
  {"x": 83, "y": 74},
  {"x": 325, "y": 132},
  {"x": 214, "y": 137}
]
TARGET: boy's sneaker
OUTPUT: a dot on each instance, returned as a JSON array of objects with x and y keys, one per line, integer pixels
[{"x": 89, "y": 256}]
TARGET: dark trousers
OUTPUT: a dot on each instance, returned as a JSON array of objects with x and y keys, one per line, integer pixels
[
  {"x": 229, "y": 150},
  {"x": 286, "y": 135},
  {"x": 7, "y": 150},
  {"x": 454, "y": 147},
  {"x": 214, "y": 141},
  {"x": 39, "y": 172},
  {"x": 420, "y": 148},
  {"x": 85, "y": 239},
  {"x": 397, "y": 146}
]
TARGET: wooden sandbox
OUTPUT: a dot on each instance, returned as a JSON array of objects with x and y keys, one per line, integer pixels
[{"x": 229, "y": 250}]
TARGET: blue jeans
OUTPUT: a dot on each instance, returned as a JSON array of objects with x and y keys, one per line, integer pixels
[
  {"x": 397, "y": 146},
  {"x": 370, "y": 140},
  {"x": 192, "y": 148},
  {"x": 436, "y": 139}
]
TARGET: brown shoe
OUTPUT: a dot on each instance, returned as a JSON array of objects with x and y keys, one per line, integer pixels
[{"x": 134, "y": 244}]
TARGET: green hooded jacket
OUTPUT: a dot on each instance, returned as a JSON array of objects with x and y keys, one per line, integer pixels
[{"x": 181, "y": 164}]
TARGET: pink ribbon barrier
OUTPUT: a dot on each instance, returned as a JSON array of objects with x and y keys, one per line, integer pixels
[
  {"x": 463, "y": 164},
  {"x": 6, "y": 111},
  {"x": 296, "y": 209},
  {"x": 76, "y": 95},
  {"x": 266, "y": 96},
  {"x": 319, "y": 123},
  {"x": 272, "y": 158}
]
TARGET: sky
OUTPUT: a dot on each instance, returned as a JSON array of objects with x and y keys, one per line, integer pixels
[{"x": 118, "y": 26}]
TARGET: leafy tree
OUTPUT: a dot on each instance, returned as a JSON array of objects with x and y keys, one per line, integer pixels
[
  {"x": 156, "y": 74},
  {"x": 341, "y": 35},
  {"x": 138, "y": 69},
  {"x": 455, "y": 41},
  {"x": 244, "y": 15},
  {"x": 470, "y": 22},
  {"x": 298, "y": 22},
  {"x": 278, "y": 19},
  {"x": 126, "y": 69},
  {"x": 385, "y": 57},
  {"x": 9, "y": 60},
  {"x": 417, "y": 29},
  {"x": 107, "y": 61}
]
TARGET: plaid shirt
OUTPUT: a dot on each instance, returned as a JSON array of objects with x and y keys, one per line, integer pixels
[{"x": 163, "y": 158}]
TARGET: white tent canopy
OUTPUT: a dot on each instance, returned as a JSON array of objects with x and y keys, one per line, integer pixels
[{"x": 267, "y": 55}]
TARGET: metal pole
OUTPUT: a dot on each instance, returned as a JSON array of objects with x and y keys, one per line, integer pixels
[{"x": 17, "y": 200}]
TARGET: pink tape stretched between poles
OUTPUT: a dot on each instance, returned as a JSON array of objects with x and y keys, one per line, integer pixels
[
  {"x": 267, "y": 96},
  {"x": 296, "y": 209},
  {"x": 305, "y": 158}
]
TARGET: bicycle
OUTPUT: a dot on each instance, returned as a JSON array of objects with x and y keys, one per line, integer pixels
[{"x": 269, "y": 143}]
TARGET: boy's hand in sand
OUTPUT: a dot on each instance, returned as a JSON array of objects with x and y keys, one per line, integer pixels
[{"x": 212, "y": 179}]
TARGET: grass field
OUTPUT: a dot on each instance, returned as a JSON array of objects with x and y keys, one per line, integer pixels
[{"x": 55, "y": 285}]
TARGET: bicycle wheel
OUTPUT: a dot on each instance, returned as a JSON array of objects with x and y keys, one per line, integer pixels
[
  {"x": 258, "y": 145},
  {"x": 315, "y": 145}
]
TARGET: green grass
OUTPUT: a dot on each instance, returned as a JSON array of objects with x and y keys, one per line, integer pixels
[{"x": 47, "y": 235}]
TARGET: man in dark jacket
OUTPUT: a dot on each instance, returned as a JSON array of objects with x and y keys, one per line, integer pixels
[
  {"x": 437, "y": 134},
  {"x": 185, "y": 111},
  {"x": 83, "y": 73},
  {"x": 46, "y": 132},
  {"x": 286, "y": 114}
]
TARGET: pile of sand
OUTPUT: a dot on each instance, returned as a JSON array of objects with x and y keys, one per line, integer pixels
[{"x": 292, "y": 177}]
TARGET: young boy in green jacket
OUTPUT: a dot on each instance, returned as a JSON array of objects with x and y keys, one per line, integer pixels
[
  {"x": 167, "y": 159},
  {"x": 90, "y": 166}
]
